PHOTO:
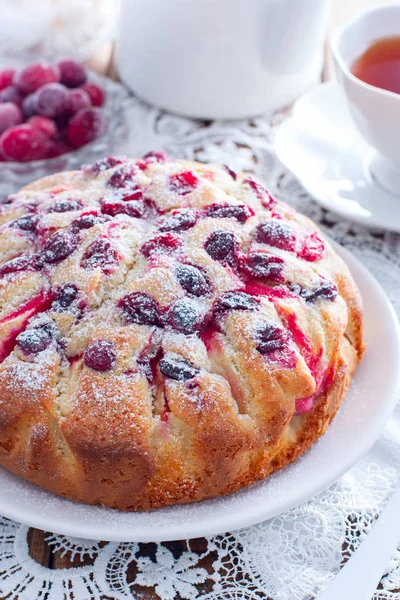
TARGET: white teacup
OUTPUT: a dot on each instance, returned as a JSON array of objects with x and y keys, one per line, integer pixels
[{"x": 375, "y": 111}]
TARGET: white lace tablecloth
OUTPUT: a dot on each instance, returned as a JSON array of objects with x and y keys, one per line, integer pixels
[{"x": 291, "y": 557}]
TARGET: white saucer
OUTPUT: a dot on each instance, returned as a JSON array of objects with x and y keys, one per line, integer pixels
[
  {"x": 321, "y": 146},
  {"x": 361, "y": 418}
]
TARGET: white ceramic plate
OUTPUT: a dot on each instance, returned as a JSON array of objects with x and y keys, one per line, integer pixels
[
  {"x": 360, "y": 420},
  {"x": 321, "y": 146}
]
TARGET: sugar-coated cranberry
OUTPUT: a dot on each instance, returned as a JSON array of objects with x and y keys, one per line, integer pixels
[
  {"x": 183, "y": 183},
  {"x": 313, "y": 248},
  {"x": 23, "y": 143},
  {"x": 326, "y": 291},
  {"x": 66, "y": 205},
  {"x": 26, "y": 223},
  {"x": 275, "y": 234},
  {"x": 11, "y": 94},
  {"x": 34, "y": 76},
  {"x": 267, "y": 200},
  {"x": 58, "y": 148},
  {"x": 221, "y": 245},
  {"x": 37, "y": 339},
  {"x": 155, "y": 157},
  {"x": 85, "y": 126},
  {"x": 76, "y": 100},
  {"x": 134, "y": 209},
  {"x": 270, "y": 338},
  {"x": 261, "y": 265},
  {"x": 103, "y": 165},
  {"x": 87, "y": 221},
  {"x": 140, "y": 308},
  {"x": 44, "y": 125},
  {"x": 72, "y": 73},
  {"x": 6, "y": 78},
  {"x": 66, "y": 295},
  {"x": 51, "y": 100},
  {"x": 28, "y": 106},
  {"x": 179, "y": 220},
  {"x": 25, "y": 262},
  {"x": 101, "y": 253},
  {"x": 95, "y": 92},
  {"x": 124, "y": 177},
  {"x": 240, "y": 212},
  {"x": 100, "y": 356},
  {"x": 192, "y": 280},
  {"x": 236, "y": 301},
  {"x": 184, "y": 316},
  {"x": 59, "y": 246},
  {"x": 178, "y": 369},
  {"x": 10, "y": 115},
  {"x": 161, "y": 244}
]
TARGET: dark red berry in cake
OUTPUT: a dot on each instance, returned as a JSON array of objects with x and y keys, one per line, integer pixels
[
  {"x": 44, "y": 125},
  {"x": 11, "y": 94},
  {"x": 28, "y": 106},
  {"x": 59, "y": 246},
  {"x": 101, "y": 253},
  {"x": 35, "y": 340},
  {"x": 161, "y": 244},
  {"x": 10, "y": 115},
  {"x": 265, "y": 266},
  {"x": 66, "y": 295},
  {"x": 275, "y": 234},
  {"x": 95, "y": 92},
  {"x": 26, "y": 223},
  {"x": 155, "y": 157},
  {"x": 266, "y": 198},
  {"x": 179, "y": 220},
  {"x": 6, "y": 78},
  {"x": 67, "y": 205},
  {"x": 313, "y": 248},
  {"x": 124, "y": 177},
  {"x": 72, "y": 73},
  {"x": 76, "y": 100},
  {"x": 51, "y": 100},
  {"x": 236, "y": 301},
  {"x": 140, "y": 308},
  {"x": 178, "y": 369},
  {"x": 192, "y": 280},
  {"x": 185, "y": 316},
  {"x": 270, "y": 338},
  {"x": 33, "y": 77},
  {"x": 23, "y": 143},
  {"x": 183, "y": 183},
  {"x": 100, "y": 356},
  {"x": 87, "y": 221},
  {"x": 221, "y": 245},
  {"x": 85, "y": 126},
  {"x": 25, "y": 262},
  {"x": 102, "y": 165},
  {"x": 230, "y": 171},
  {"x": 240, "y": 212},
  {"x": 326, "y": 291}
]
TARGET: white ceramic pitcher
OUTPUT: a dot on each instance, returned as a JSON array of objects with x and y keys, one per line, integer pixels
[{"x": 221, "y": 58}]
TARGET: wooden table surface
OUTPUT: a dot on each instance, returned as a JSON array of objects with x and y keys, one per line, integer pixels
[{"x": 39, "y": 549}]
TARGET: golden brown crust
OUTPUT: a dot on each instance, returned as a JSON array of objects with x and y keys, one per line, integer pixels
[{"x": 132, "y": 436}]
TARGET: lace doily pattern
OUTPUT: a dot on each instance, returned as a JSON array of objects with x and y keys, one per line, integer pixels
[{"x": 291, "y": 557}]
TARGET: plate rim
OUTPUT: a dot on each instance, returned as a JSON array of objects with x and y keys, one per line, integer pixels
[{"x": 241, "y": 519}]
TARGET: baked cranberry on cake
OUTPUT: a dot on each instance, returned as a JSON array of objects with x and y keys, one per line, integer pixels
[{"x": 169, "y": 332}]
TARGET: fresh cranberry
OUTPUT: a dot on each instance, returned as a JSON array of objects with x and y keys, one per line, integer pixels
[
  {"x": 6, "y": 78},
  {"x": 25, "y": 262},
  {"x": 240, "y": 212},
  {"x": 85, "y": 126},
  {"x": 76, "y": 100},
  {"x": 326, "y": 291},
  {"x": 58, "y": 148},
  {"x": 261, "y": 265},
  {"x": 267, "y": 200},
  {"x": 313, "y": 248},
  {"x": 270, "y": 338},
  {"x": 28, "y": 106},
  {"x": 180, "y": 220},
  {"x": 51, "y": 100},
  {"x": 103, "y": 165},
  {"x": 101, "y": 253},
  {"x": 66, "y": 295},
  {"x": 184, "y": 316},
  {"x": 192, "y": 280},
  {"x": 123, "y": 177},
  {"x": 33, "y": 341},
  {"x": 11, "y": 94},
  {"x": 87, "y": 221},
  {"x": 26, "y": 223},
  {"x": 10, "y": 115},
  {"x": 33, "y": 77},
  {"x": 230, "y": 171},
  {"x": 221, "y": 245},
  {"x": 140, "y": 308},
  {"x": 100, "y": 356},
  {"x": 59, "y": 246},
  {"x": 23, "y": 143},
  {"x": 72, "y": 73},
  {"x": 66, "y": 205},
  {"x": 95, "y": 92},
  {"x": 236, "y": 301},
  {"x": 178, "y": 369},
  {"x": 161, "y": 244},
  {"x": 275, "y": 234},
  {"x": 183, "y": 183},
  {"x": 44, "y": 125}
]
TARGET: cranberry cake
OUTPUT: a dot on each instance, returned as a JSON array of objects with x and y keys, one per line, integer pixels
[{"x": 169, "y": 332}]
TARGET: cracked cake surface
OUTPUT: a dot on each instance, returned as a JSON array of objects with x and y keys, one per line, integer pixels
[{"x": 169, "y": 332}]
